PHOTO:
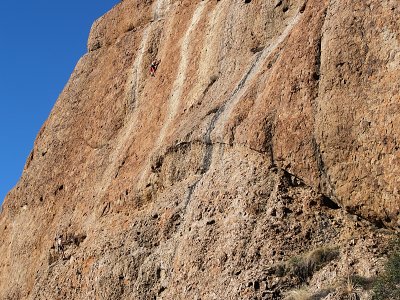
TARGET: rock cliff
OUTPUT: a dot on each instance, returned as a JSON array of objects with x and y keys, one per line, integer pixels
[{"x": 262, "y": 156}]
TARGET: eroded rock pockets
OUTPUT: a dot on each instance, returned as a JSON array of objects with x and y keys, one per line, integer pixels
[
  {"x": 217, "y": 218},
  {"x": 240, "y": 234}
]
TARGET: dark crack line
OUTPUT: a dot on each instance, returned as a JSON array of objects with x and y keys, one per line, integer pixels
[
  {"x": 191, "y": 189},
  {"x": 323, "y": 174},
  {"x": 325, "y": 185}
]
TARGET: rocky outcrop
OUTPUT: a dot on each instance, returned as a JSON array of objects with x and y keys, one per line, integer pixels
[{"x": 262, "y": 156}]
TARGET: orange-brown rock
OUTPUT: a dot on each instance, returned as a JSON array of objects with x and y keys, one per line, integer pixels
[{"x": 269, "y": 134}]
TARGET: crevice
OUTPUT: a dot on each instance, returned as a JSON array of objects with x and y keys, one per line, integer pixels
[
  {"x": 106, "y": 209},
  {"x": 303, "y": 7},
  {"x": 371, "y": 219},
  {"x": 207, "y": 159},
  {"x": 285, "y": 8},
  {"x": 161, "y": 290},
  {"x": 255, "y": 50},
  {"x": 268, "y": 147},
  {"x": 325, "y": 185},
  {"x": 213, "y": 79},
  {"x": 120, "y": 167},
  {"x": 327, "y": 202},
  {"x": 210, "y": 112},
  {"x": 156, "y": 166},
  {"x": 190, "y": 193},
  {"x": 59, "y": 189},
  {"x": 292, "y": 179},
  {"x": 317, "y": 72},
  {"x": 96, "y": 46},
  {"x": 318, "y": 52}
]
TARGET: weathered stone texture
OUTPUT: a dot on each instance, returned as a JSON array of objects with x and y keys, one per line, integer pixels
[{"x": 269, "y": 132}]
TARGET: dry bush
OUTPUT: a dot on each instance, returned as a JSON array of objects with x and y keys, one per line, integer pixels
[
  {"x": 303, "y": 267},
  {"x": 299, "y": 294},
  {"x": 348, "y": 290}
]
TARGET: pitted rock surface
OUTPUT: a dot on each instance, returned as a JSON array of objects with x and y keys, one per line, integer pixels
[{"x": 268, "y": 136}]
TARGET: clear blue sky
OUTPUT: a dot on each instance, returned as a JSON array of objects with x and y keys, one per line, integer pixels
[{"x": 41, "y": 41}]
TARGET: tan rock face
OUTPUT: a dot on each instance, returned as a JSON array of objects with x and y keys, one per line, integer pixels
[{"x": 267, "y": 127}]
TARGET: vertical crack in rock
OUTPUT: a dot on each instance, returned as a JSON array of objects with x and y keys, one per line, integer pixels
[
  {"x": 207, "y": 156},
  {"x": 325, "y": 184},
  {"x": 269, "y": 143},
  {"x": 317, "y": 73},
  {"x": 190, "y": 193},
  {"x": 208, "y": 142}
]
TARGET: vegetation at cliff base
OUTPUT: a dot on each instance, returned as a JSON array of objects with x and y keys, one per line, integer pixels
[{"x": 387, "y": 285}]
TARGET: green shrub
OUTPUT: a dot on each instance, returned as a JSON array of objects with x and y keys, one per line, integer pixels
[{"x": 387, "y": 285}]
